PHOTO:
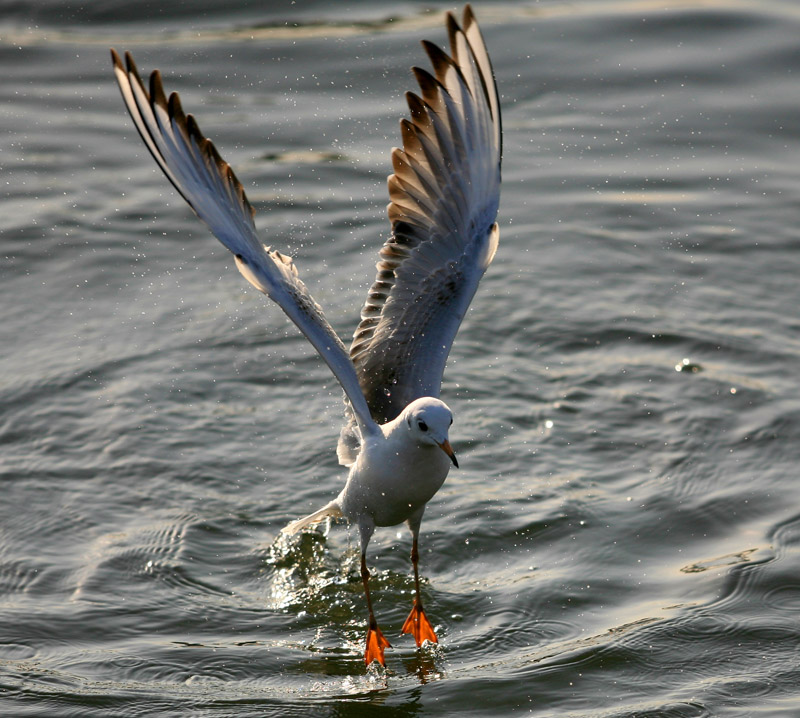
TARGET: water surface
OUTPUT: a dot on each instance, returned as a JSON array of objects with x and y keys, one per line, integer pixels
[{"x": 623, "y": 538}]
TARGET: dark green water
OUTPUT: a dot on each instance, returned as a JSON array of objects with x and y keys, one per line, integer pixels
[{"x": 622, "y": 539}]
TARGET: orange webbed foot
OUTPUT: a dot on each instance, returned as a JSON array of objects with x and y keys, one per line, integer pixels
[
  {"x": 375, "y": 645},
  {"x": 418, "y": 624}
]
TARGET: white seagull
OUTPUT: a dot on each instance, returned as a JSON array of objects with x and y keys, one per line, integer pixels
[{"x": 444, "y": 193}]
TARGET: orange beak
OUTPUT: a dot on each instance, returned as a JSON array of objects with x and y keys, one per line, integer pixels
[{"x": 445, "y": 446}]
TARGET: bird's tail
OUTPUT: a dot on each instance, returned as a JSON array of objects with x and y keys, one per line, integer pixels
[{"x": 331, "y": 509}]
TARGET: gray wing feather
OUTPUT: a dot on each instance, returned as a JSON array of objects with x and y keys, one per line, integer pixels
[
  {"x": 194, "y": 167},
  {"x": 445, "y": 193}
]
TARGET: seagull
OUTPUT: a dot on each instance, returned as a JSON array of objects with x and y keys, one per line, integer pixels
[{"x": 445, "y": 193}]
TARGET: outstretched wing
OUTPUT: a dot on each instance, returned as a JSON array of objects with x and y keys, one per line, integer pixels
[
  {"x": 444, "y": 192},
  {"x": 207, "y": 183}
]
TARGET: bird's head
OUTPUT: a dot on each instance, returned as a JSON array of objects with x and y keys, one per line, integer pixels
[{"x": 429, "y": 421}]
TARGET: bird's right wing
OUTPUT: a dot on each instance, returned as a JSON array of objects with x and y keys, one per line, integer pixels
[{"x": 192, "y": 164}]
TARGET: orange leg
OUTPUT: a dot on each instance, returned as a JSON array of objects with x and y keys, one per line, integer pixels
[
  {"x": 375, "y": 640},
  {"x": 417, "y": 622}
]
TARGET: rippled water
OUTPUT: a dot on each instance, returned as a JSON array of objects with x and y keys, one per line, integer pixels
[{"x": 623, "y": 539}]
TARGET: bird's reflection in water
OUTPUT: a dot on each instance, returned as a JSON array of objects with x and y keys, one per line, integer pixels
[{"x": 425, "y": 664}]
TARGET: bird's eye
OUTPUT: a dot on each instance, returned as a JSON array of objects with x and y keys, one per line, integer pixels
[{"x": 422, "y": 425}]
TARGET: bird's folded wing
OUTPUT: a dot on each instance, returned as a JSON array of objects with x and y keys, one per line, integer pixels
[
  {"x": 445, "y": 193},
  {"x": 207, "y": 183}
]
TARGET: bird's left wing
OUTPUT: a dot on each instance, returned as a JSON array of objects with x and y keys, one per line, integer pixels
[
  {"x": 445, "y": 193},
  {"x": 192, "y": 164}
]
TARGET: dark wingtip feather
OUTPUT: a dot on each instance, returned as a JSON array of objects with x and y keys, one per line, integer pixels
[
  {"x": 440, "y": 60},
  {"x": 176, "y": 111},
  {"x": 469, "y": 16},
  {"x": 132, "y": 70},
  {"x": 416, "y": 106},
  {"x": 452, "y": 30},
  {"x": 194, "y": 129},
  {"x": 429, "y": 85},
  {"x": 157, "y": 94}
]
